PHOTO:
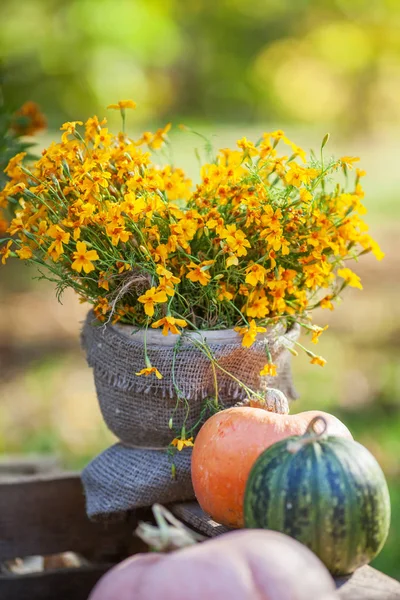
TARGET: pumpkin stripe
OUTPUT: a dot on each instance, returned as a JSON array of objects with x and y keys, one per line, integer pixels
[
  {"x": 376, "y": 496},
  {"x": 315, "y": 452},
  {"x": 367, "y": 496},
  {"x": 279, "y": 498},
  {"x": 346, "y": 498}
]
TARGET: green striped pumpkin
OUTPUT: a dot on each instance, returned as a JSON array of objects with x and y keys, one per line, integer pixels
[{"x": 329, "y": 493}]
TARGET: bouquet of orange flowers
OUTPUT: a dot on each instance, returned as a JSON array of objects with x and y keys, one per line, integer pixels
[{"x": 265, "y": 235}]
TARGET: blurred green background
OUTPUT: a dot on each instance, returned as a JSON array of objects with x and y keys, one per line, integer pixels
[{"x": 230, "y": 68}]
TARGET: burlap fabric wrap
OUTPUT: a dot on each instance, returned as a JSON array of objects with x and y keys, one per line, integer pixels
[{"x": 133, "y": 472}]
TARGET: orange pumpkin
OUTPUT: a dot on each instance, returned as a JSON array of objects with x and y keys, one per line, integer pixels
[{"x": 227, "y": 446}]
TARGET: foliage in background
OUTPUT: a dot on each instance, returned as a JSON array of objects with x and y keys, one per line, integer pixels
[
  {"x": 312, "y": 61},
  {"x": 14, "y": 126}
]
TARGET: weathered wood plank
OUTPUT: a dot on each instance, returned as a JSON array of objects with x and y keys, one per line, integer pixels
[
  {"x": 17, "y": 465},
  {"x": 46, "y": 515},
  {"x": 192, "y": 515},
  {"x": 365, "y": 584},
  {"x": 63, "y": 584}
]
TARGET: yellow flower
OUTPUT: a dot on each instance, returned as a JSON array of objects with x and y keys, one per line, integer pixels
[
  {"x": 160, "y": 270},
  {"x": 348, "y": 161},
  {"x": 148, "y": 371},
  {"x": 249, "y": 333},
  {"x": 232, "y": 260},
  {"x": 159, "y": 137},
  {"x": 150, "y": 298},
  {"x": 182, "y": 443},
  {"x": 297, "y": 151},
  {"x": 69, "y": 128},
  {"x": 298, "y": 175},
  {"x": 247, "y": 146},
  {"x": 25, "y": 253},
  {"x": 269, "y": 369},
  {"x": 93, "y": 126},
  {"x": 166, "y": 285},
  {"x": 104, "y": 281},
  {"x": 16, "y": 226},
  {"x": 13, "y": 169},
  {"x": 257, "y": 305},
  {"x": 103, "y": 138},
  {"x": 318, "y": 360},
  {"x": 102, "y": 307},
  {"x": 369, "y": 244},
  {"x": 117, "y": 233},
  {"x": 278, "y": 135},
  {"x": 224, "y": 293},
  {"x": 305, "y": 195},
  {"x": 350, "y": 278},
  {"x": 326, "y": 303},
  {"x": 200, "y": 272},
  {"x": 316, "y": 332},
  {"x": 122, "y": 104},
  {"x": 5, "y": 251},
  {"x": 237, "y": 242},
  {"x": 169, "y": 324},
  {"x": 255, "y": 274},
  {"x": 83, "y": 258},
  {"x": 271, "y": 220},
  {"x": 60, "y": 237}
]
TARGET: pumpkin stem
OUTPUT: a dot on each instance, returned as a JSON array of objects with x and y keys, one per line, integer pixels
[
  {"x": 311, "y": 435},
  {"x": 312, "y": 426},
  {"x": 168, "y": 534}
]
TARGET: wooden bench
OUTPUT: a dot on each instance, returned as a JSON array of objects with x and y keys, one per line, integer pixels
[{"x": 44, "y": 514}]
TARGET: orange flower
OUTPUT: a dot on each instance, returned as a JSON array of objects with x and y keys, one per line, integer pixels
[
  {"x": 83, "y": 258},
  {"x": 28, "y": 119},
  {"x": 3, "y": 225}
]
